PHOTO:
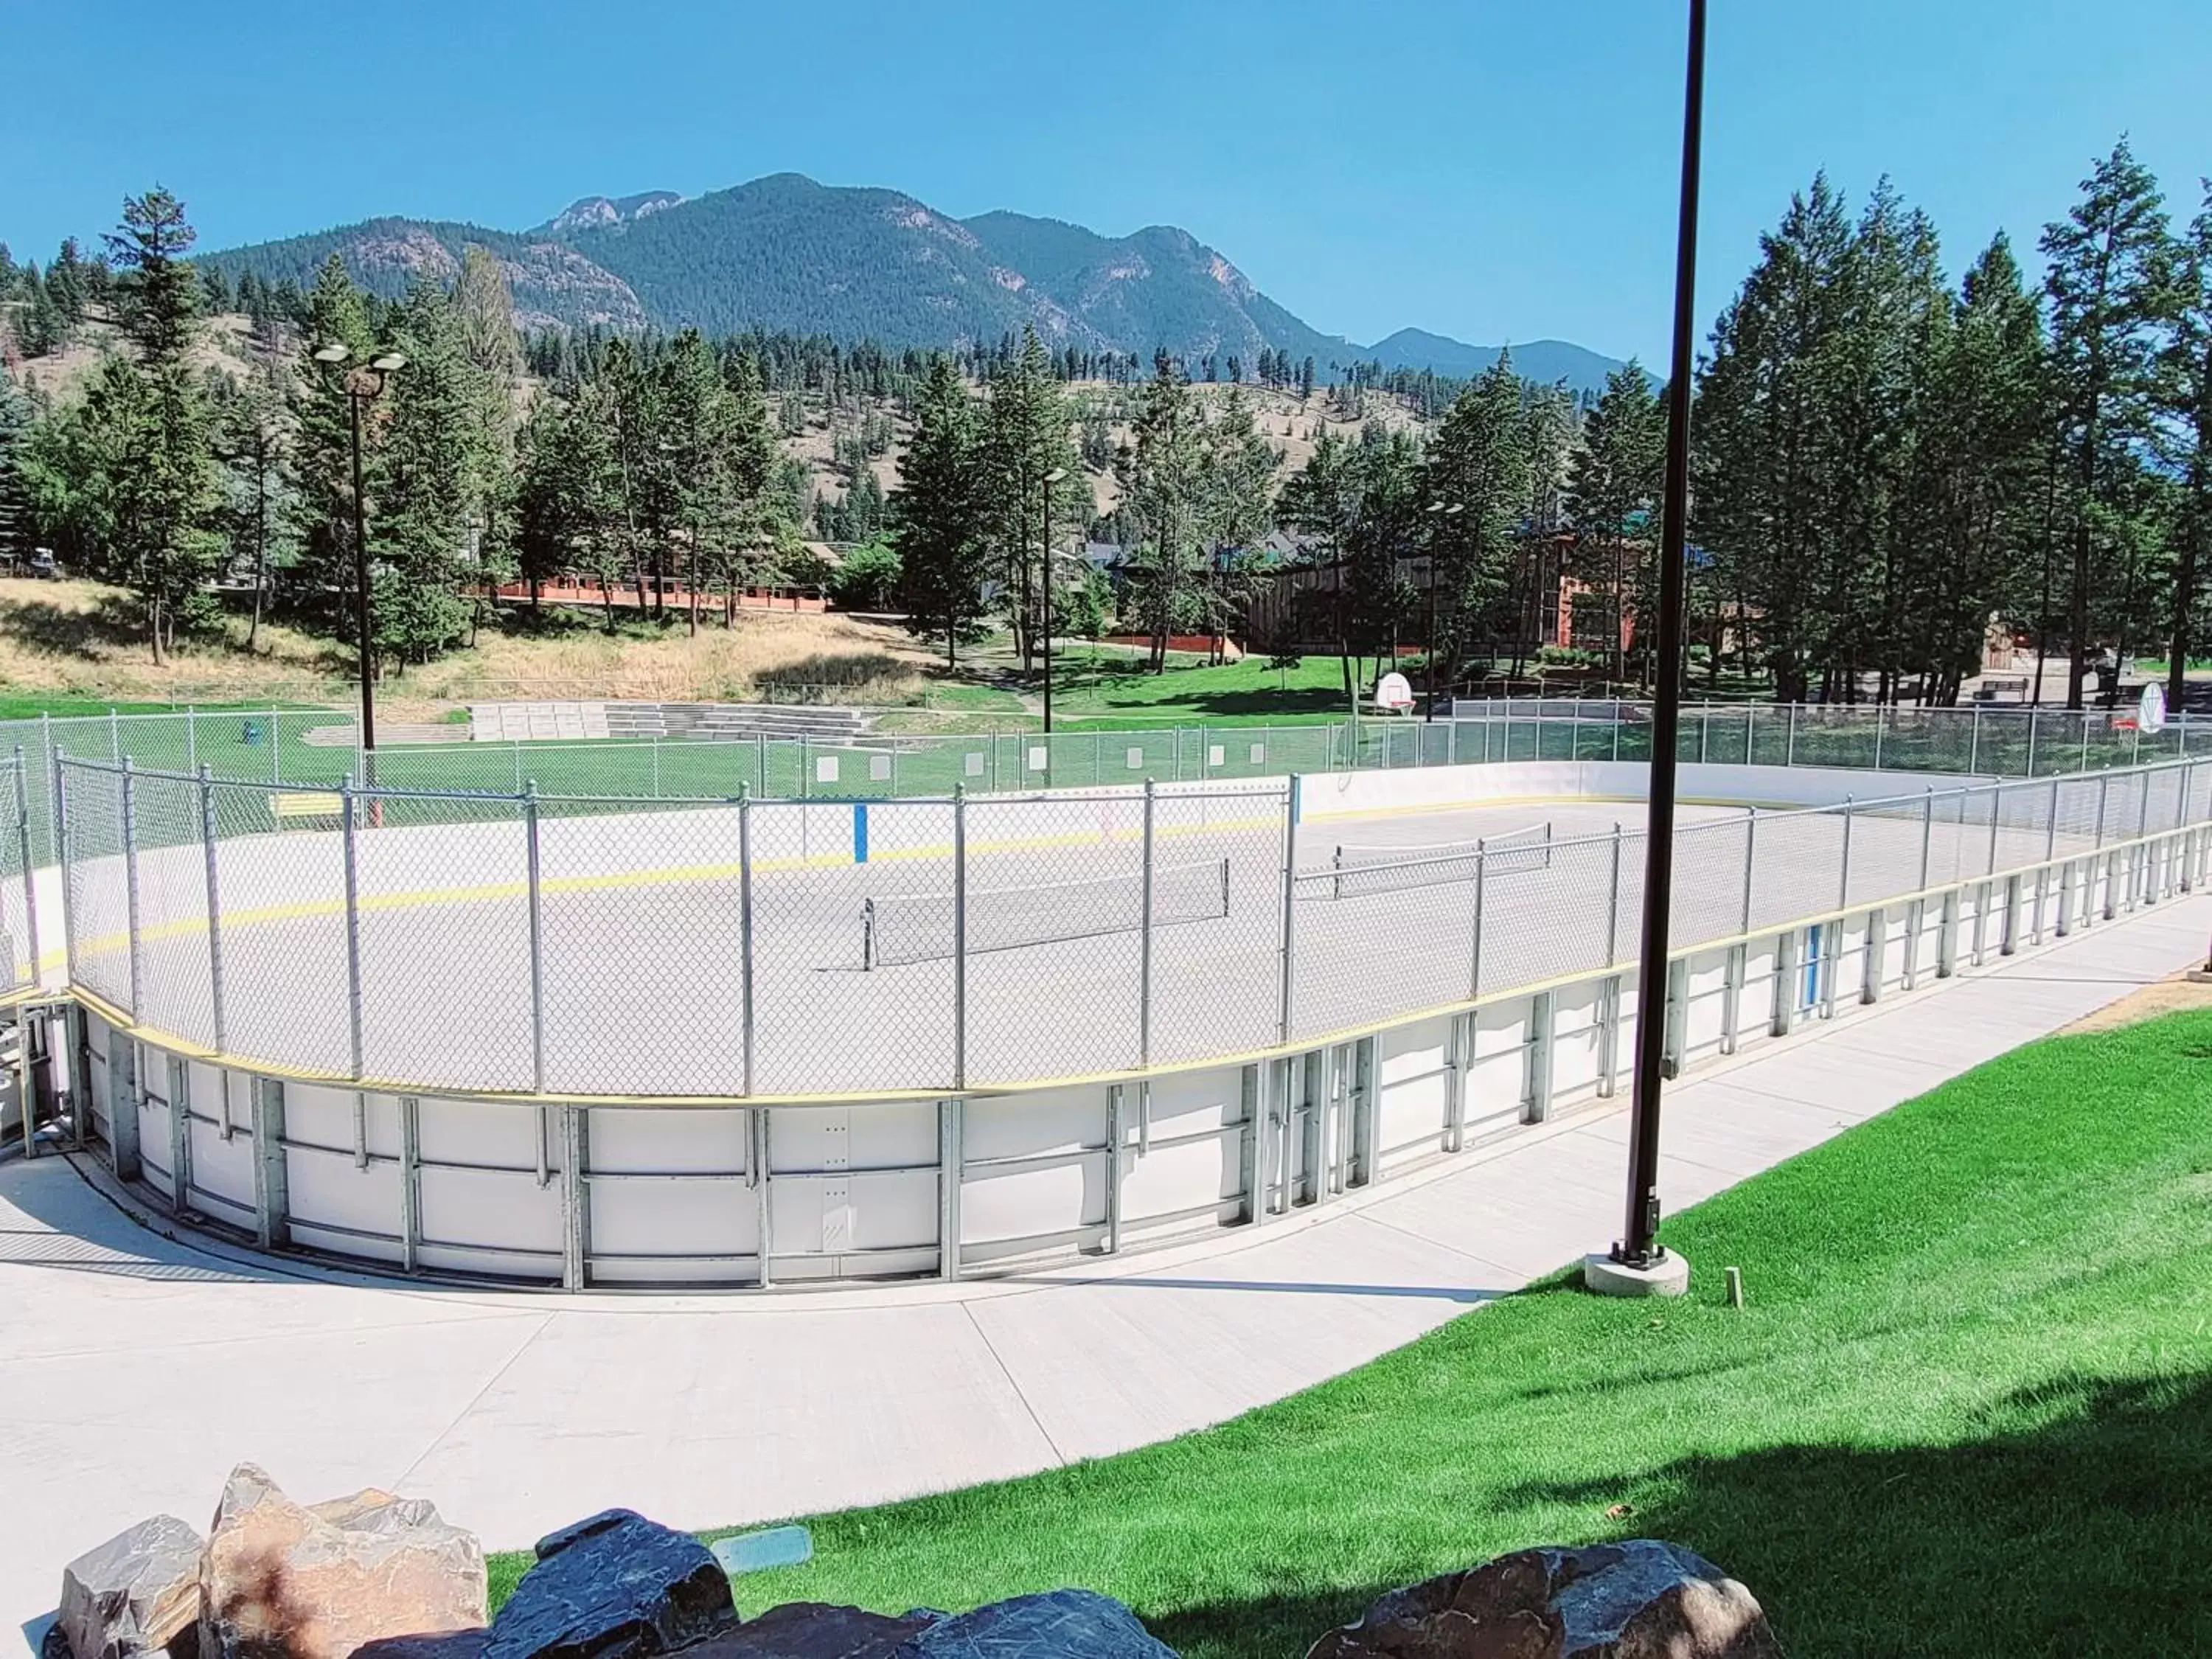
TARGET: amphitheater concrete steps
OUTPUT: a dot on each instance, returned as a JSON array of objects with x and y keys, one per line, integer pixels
[{"x": 512, "y": 722}]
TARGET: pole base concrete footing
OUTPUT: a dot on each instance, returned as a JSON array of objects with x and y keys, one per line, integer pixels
[{"x": 1669, "y": 1276}]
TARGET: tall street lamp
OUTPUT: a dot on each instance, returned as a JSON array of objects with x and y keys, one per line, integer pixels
[
  {"x": 378, "y": 369},
  {"x": 1050, "y": 479},
  {"x": 1443, "y": 513},
  {"x": 1637, "y": 1264}
]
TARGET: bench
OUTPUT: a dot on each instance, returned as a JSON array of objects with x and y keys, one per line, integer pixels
[
  {"x": 1989, "y": 689},
  {"x": 294, "y": 805}
]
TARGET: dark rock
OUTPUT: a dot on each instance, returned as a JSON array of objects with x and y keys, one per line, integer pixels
[
  {"x": 281, "y": 1580},
  {"x": 1643, "y": 1599},
  {"x": 440, "y": 1644},
  {"x": 613, "y": 1586},
  {"x": 814, "y": 1630},
  {"x": 134, "y": 1594},
  {"x": 1064, "y": 1624}
]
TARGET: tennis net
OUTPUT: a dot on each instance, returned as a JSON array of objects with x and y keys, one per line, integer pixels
[
  {"x": 1363, "y": 871},
  {"x": 911, "y": 927}
]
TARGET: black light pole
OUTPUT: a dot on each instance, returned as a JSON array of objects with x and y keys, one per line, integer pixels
[
  {"x": 1445, "y": 510},
  {"x": 381, "y": 366},
  {"x": 1638, "y": 1246},
  {"x": 1050, "y": 479}
]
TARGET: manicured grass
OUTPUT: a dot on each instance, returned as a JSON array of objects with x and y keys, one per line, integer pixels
[
  {"x": 1113, "y": 688},
  {"x": 1967, "y": 1410}
]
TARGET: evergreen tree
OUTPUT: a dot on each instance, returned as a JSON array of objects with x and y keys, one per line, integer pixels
[
  {"x": 2185, "y": 408},
  {"x": 1025, "y": 435},
  {"x": 939, "y": 513},
  {"x": 321, "y": 495},
  {"x": 1163, "y": 476},
  {"x": 1613, "y": 495},
  {"x": 2106, "y": 278}
]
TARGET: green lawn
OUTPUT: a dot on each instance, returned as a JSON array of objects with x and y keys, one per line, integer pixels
[
  {"x": 1116, "y": 690},
  {"x": 1967, "y": 1410}
]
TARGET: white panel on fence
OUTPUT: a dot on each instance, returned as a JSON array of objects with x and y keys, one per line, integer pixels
[
  {"x": 1412, "y": 1099},
  {"x": 890, "y": 1138},
  {"x": 626, "y": 1140},
  {"x": 472, "y": 1132},
  {"x": 1215, "y": 755},
  {"x": 1020, "y": 1126},
  {"x": 640, "y": 1217},
  {"x": 1136, "y": 759},
  {"x": 996, "y": 1206},
  {"x": 825, "y": 768},
  {"x": 326, "y": 1187},
  {"x": 1576, "y": 1043},
  {"x": 1200, "y": 1175},
  {"x": 477, "y": 1207},
  {"x": 1259, "y": 753},
  {"x": 1037, "y": 758},
  {"x": 972, "y": 765},
  {"x": 221, "y": 1168},
  {"x": 1707, "y": 1013},
  {"x": 879, "y": 767}
]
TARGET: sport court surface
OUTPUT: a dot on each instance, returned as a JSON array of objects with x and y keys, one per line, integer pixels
[{"x": 641, "y": 922}]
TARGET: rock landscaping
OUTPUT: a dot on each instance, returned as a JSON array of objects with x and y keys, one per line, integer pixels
[{"x": 378, "y": 1576}]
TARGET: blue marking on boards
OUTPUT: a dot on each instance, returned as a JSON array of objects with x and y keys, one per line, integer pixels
[{"x": 860, "y": 832}]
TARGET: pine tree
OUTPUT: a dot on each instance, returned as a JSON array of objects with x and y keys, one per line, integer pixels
[
  {"x": 2106, "y": 278},
  {"x": 939, "y": 511},
  {"x": 322, "y": 452},
  {"x": 1163, "y": 483},
  {"x": 1613, "y": 494},
  {"x": 159, "y": 502},
  {"x": 2185, "y": 406},
  {"x": 1479, "y": 465},
  {"x": 1025, "y": 435}
]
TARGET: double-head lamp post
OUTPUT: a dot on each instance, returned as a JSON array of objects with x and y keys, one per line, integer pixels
[
  {"x": 1442, "y": 514},
  {"x": 378, "y": 370}
]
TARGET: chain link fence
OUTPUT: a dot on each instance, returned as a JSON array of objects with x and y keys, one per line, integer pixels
[{"x": 522, "y": 943}]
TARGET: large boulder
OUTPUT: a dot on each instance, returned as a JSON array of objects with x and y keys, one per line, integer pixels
[
  {"x": 613, "y": 1586},
  {"x": 135, "y": 1594},
  {"x": 1064, "y": 1624},
  {"x": 1639, "y": 1599},
  {"x": 282, "y": 1580},
  {"x": 814, "y": 1630}
]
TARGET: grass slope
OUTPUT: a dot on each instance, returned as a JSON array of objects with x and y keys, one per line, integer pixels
[{"x": 1968, "y": 1410}]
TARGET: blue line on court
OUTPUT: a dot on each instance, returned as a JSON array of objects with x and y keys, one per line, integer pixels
[{"x": 860, "y": 832}]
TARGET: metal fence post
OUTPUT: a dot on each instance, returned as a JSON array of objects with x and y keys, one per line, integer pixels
[
  {"x": 275, "y": 749},
  {"x": 1974, "y": 742},
  {"x": 745, "y": 942},
  {"x": 1145, "y": 942},
  {"x": 1290, "y": 903},
  {"x": 1613, "y": 909},
  {"x": 1475, "y": 950},
  {"x": 30, "y": 887},
  {"x": 2032, "y": 714},
  {"x": 1750, "y": 864},
  {"x": 1789, "y": 753},
  {"x": 114, "y": 735},
  {"x": 58, "y": 808},
  {"x": 214, "y": 911},
  {"x": 352, "y": 924},
  {"x": 1750, "y": 722},
  {"x": 131, "y": 891},
  {"x": 1843, "y": 887},
  {"x": 959, "y": 936},
  {"x": 536, "y": 889},
  {"x": 1927, "y": 833}
]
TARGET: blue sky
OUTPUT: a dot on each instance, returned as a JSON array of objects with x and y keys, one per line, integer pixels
[{"x": 1490, "y": 169}]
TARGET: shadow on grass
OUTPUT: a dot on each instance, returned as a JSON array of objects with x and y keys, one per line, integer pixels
[
  {"x": 113, "y": 624},
  {"x": 2074, "y": 1518}
]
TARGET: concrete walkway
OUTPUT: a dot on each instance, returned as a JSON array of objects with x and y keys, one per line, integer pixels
[{"x": 135, "y": 1370}]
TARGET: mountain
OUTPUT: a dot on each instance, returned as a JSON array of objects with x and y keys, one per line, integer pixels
[
  {"x": 1541, "y": 361},
  {"x": 785, "y": 252},
  {"x": 587, "y": 211}
]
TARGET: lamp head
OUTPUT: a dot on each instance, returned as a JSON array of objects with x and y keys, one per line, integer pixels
[
  {"x": 1055, "y": 475},
  {"x": 335, "y": 352},
  {"x": 384, "y": 362}
]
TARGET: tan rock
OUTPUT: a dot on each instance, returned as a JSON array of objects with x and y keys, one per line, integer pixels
[{"x": 282, "y": 1580}]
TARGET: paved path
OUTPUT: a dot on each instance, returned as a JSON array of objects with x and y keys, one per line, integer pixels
[{"x": 135, "y": 1370}]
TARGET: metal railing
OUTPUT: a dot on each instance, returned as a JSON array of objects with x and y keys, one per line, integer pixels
[{"x": 573, "y": 946}]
